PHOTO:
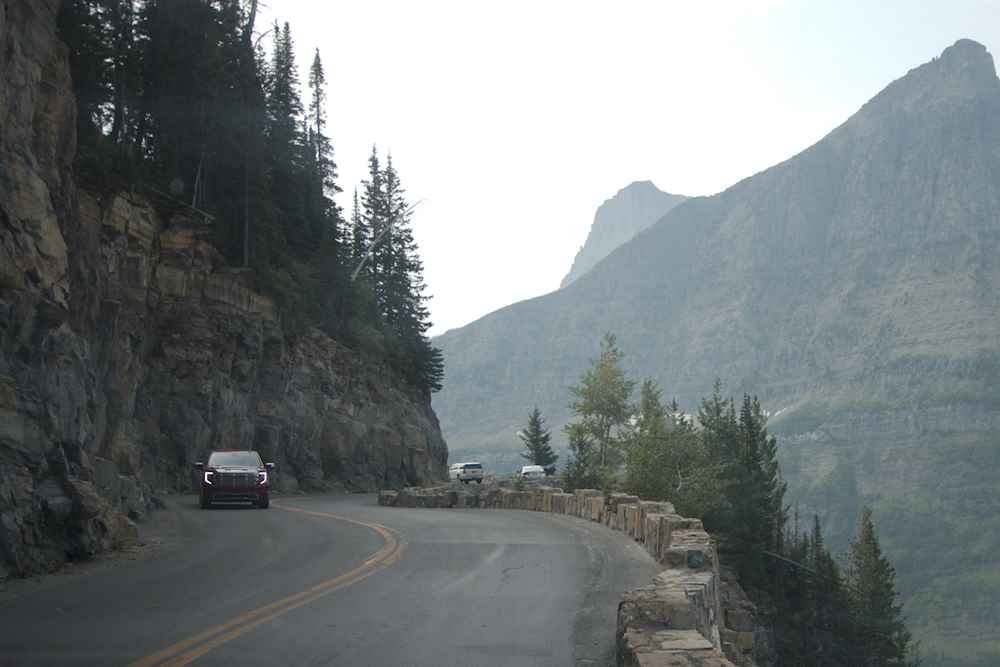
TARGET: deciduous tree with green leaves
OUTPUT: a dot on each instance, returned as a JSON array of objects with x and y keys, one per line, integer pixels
[
  {"x": 665, "y": 458},
  {"x": 602, "y": 402}
]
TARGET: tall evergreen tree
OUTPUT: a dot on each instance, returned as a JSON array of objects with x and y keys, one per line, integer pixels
[
  {"x": 582, "y": 465},
  {"x": 125, "y": 70},
  {"x": 881, "y": 638},
  {"x": 651, "y": 418},
  {"x": 317, "y": 116},
  {"x": 752, "y": 515},
  {"x": 84, "y": 27},
  {"x": 403, "y": 286},
  {"x": 536, "y": 441},
  {"x": 830, "y": 615},
  {"x": 360, "y": 236},
  {"x": 326, "y": 212},
  {"x": 373, "y": 221},
  {"x": 287, "y": 145}
]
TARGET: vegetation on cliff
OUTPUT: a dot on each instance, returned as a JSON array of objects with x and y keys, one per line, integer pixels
[{"x": 180, "y": 100}]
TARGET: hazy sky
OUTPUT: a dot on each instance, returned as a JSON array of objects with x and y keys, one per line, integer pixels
[{"x": 513, "y": 121}]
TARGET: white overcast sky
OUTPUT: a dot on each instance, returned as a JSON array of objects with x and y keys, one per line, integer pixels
[{"x": 514, "y": 120}]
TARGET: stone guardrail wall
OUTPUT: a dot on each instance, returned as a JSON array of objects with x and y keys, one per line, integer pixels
[{"x": 680, "y": 619}]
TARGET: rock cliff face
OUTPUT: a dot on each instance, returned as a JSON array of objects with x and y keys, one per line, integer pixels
[
  {"x": 636, "y": 206},
  {"x": 128, "y": 349},
  {"x": 856, "y": 289}
]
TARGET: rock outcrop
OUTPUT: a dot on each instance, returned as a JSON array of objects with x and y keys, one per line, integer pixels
[
  {"x": 854, "y": 288},
  {"x": 128, "y": 349},
  {"x": 634, "y": 208},
  {"x": 689, "y": 615}
]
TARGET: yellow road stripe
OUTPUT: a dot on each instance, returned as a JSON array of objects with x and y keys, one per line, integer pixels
[{"x": 390, "y": 552}]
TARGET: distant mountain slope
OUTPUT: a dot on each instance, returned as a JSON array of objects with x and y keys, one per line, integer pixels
[
  {"x": 854, "y": 287},
  {"x": 633, "y": 209}
]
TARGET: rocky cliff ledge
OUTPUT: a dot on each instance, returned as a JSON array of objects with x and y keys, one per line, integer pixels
[{"x": 128, "y": 349}]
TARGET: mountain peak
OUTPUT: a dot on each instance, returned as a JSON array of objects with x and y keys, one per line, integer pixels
[
  {"x": 967, "y": 52},
  {"x": 633, "y": 208},
  {"x": 641, "y": 185},
  {"x": 967, "y": 60},
  {"x": 963, "y": 71}
]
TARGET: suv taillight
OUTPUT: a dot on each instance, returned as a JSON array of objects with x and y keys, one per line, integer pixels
[
  {"x": 208, "y": 476},
  {"x": 262, "y": 477}
]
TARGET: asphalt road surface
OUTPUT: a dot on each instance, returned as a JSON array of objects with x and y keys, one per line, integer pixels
[{"x": 334, "y": 580}]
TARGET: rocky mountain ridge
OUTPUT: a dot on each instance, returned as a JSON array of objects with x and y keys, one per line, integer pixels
[
  {"x": 634, "y": 208},
  {"x": 856, "y": 289},
  {"x": 128, "y": 349}
]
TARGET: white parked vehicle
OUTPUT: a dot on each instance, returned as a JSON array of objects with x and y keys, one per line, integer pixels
[
  {"x": 466, "y": 472},
  {"x": 531, "y": 472}
]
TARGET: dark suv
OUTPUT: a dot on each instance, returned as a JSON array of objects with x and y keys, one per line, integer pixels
[{"x": 234, "y": 476}]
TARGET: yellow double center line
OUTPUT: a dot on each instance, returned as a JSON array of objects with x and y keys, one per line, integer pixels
[{"x": 188, "y": 650}]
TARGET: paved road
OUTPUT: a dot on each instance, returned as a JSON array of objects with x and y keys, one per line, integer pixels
[{"x": 324, "y": 580}]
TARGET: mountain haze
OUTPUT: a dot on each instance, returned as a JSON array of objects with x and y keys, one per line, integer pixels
[
  {"x": 856, "y": 288},
  {"x": 634, "y": 208}
]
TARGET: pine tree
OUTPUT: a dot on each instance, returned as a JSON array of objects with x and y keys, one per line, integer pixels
[
  {"x": 328, "y": 213},
  {"x": 830, "y": 614},
  {"x": 360, "y": 236},
  {"x": 317, "y": 115},
  {"x": 85, "y": 30},
  {"x": 392, "y": 253},
  {"x": 880, "y": 635},
  {"x": 752, "y": 515},
  {"x": 402, "y": 282},
  {"x": 717, "y": 417},
  {"x": 652, "y": 416},
  {"x": 648, "y": 450},
  {"x": 373, "y": 221},
  {"x": 125, "y": 70},
  {"x": 582, "y": 469},
  {"x": 536, "y": 441},
  {"x": 287, "y": 144}
]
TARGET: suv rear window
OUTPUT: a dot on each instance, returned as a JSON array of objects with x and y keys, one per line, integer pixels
[
  {"x": 473, "y": 466},
  {"x": 234, "y": 459}
]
